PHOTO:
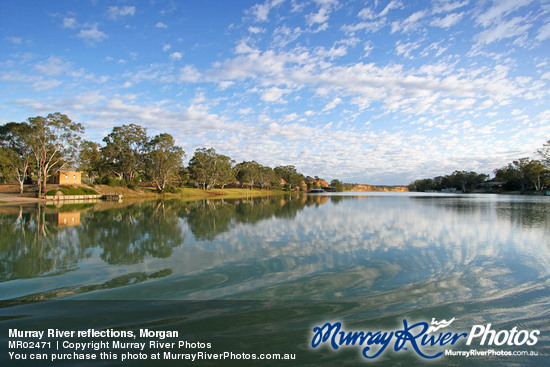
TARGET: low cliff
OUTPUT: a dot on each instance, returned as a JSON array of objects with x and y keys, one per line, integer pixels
[{"x": 358, "y": 187}]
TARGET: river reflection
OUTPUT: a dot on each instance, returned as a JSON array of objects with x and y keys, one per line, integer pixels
[{"x": 324, "y": 247}]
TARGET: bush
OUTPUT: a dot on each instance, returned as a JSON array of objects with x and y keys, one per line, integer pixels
[
  {"x": 111, "y": 181},
  {"x": 169, "y": 189},
  {"x": 51, "y": 193}
]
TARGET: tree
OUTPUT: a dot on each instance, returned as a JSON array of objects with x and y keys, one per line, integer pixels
[
  {"x": 522, "y": 174},
  {"x": 537, "y": 174},
  {"x": 267, "y": 177},
  {"x": 337, "y": 185},
  {"x": 289, "y": 175},
  {"x": 89, "y": 159},
  {"x": 464, "y": 181},
  {"x": 510, "y": 176},
  {"x": 248, "y": 172},
  {"x": 123, "y": 150},
  {"x": 162, "y": 160},
  {"x": 522, "y": 166},
  {"x": 544, "y": 152},
  {"x": 53, "y": 141},
  {"x": 16, "y": 151},
  {"x": 209, "y": 168}
]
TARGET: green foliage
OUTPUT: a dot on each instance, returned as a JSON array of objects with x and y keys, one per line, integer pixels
[
  {"x": 90, "y": 161},
  {"x": 171, "y": 189},
  {"x": 289, "y": 174},
  {"x": 209, "y": 168},
  {"x": 51, "y": 193},
  {"x": 53, "y": 141},
  {"x": 124, "y": 149},
  {"x": 109, "y": 180},
  {"x": 524, "y": 174},
  {"x": 15, "y": 152},
  {"x": 459, "y": 180},
  {"x": 337, "y": 185},
  {"x": 163, "y": 160},
  {"x": 544, "y": 152}
]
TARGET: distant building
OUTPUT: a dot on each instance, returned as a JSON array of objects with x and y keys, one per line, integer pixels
[{"x": 62, "y": 177}]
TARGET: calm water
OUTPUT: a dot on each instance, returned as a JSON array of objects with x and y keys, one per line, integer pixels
[{"x": 271, "y": 268}]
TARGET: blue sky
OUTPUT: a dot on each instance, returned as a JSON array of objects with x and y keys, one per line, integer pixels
[{"x": 379, "y": 92}]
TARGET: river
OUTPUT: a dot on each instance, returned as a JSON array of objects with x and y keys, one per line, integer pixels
[{"x": 258, "y": 275}]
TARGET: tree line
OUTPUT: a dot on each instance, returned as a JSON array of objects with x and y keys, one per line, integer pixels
[
  {"x": 521, "y": 175},
  {"x": 41, "y": 146}
]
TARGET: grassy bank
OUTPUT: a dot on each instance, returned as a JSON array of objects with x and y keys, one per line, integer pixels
[
  {"x": 140, "y": 192},
  {"x": 186, "y": 193}
]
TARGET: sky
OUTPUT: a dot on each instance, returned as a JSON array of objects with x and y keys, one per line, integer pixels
[{"x": 373, "y": 92}]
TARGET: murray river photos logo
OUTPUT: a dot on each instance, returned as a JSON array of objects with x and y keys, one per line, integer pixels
[{"x": 428, "y": 341}]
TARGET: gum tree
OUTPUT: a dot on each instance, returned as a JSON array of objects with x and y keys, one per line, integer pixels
[
  {"x": 16, "y": 157},
  {"x": 123, "y": 150},
  {"x": 53, "y": 141},
  {"x": 162, "y": 160}
]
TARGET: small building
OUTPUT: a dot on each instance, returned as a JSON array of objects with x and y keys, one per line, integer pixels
[
  {"x": 68, "y": 218},
  {"x": 63, "y": 177}
]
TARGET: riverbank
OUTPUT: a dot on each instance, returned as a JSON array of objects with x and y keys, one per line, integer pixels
[{"x": 9, "y": 193}]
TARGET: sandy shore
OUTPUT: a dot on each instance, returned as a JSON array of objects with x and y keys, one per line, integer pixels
[{"x": 6, "y": 199}]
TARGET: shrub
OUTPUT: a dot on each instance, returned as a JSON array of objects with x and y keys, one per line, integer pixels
[
  {"x": 51, "y": 193},
  {"x": 171, "y": 189}
]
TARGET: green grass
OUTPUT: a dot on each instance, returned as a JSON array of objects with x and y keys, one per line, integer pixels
[{"x": 73, "y": 191}]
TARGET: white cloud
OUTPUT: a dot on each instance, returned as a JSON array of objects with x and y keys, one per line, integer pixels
[
  {"x": 544, "y": 32},
  {"x": 42, "y": 85},
  {"x": 392, "y": 5},
  {"x": 166, "y": 47},
  {"x": 372, "y": 26},
  {"x": 255, "y": 30},
  {"x": 368, "y": 48},
  {"x": 161, "y": 25},
  {"x": 15, "y": 40},
  {"x": 176, "y": 55},
  {"x": 447, "y": 21},
  {"x": 273, "y": 94},
  {"x": 53, "y": 66},
  {"x": 70, "y": 22},
  {"x": 500, "y": 9},
  {"x": 115, "y": 12},
  {"x": 223, "y": 85},
  {"x": 284, "y": 35},
  {"x": 261, "y": 11},
  {"x": 245, "y": 111},
  {"x": 189, "y": 73},
  {"x": 332, "y": 104},
  {"x": 320, "y": 17},
  {"x": 405, "y": 49},
  {"x": 91, "y": 34},
  {"x": 409, "y": 24},
  {"x": 515, "y": 27},
  {"x": 445, "y": 6}
]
